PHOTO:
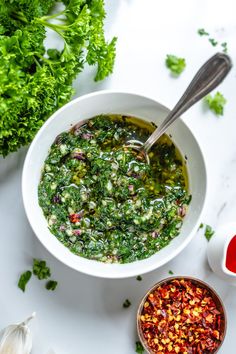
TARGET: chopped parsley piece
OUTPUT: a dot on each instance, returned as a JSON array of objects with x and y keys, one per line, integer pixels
[
  {"x": 209, "y": 232},
  {"x": 139, "y": 278},
  {"x": 171, "y": 272},
  {"x": 51, "y": 285},
  {"x": 139, "y": 348},
  {"x": 213, "y": 42},
  {"x": 224, "y": 45},
  {"x": 202, "y": 32},
  {"x": 216, "y": 103},
  {"x": 175, "y": 64},
  {"x": 24, "y": 279},
  {"x": 201, "y": 226},
  {"x": 127, "y": 303},
  {"x": 40, "y": 269}
]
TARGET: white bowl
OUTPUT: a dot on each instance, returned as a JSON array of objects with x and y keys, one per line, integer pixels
[{"x": 89, "y": 106}]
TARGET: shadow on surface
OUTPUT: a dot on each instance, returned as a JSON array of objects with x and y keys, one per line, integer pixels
[{"x": 11, "y": 163}]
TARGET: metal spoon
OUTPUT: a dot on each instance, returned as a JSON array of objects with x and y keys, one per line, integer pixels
[{"x": 208, "y": 77}]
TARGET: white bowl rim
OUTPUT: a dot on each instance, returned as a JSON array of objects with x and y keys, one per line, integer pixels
[{"x": 110, "y": 272}]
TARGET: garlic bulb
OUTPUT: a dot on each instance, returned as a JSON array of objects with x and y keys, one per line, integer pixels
[{"x": 17, "y": 339}]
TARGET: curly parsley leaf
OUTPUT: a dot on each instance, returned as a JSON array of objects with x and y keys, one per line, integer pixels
[
  {"x": 139, "y": 348},
  {"x": 213, "y": 42},
  {"x": 24, "y": 279},
  {"x": 216, "y": 103},
  {"x": 40, "y": 269},
  {"x": 16, "y": 14},
  {"x": 209, "y": 232},
  {"x": 175, "y": 64},
  {"x": 35, "y": 83},
  {"x": 99, "y": 51},
  {"x": 139, "y": 278},
  {"x": 224, "y": 46},
  {"x": 202, "y": 32},
  {"x": 51, "y": 285}
]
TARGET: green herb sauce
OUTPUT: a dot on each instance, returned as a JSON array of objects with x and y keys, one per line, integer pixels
[{"x": 105, "y": 203}]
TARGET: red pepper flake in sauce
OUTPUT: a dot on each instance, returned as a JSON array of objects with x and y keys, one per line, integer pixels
[
  {"x": 74, "y": 218},
  {"x": 181, "y": 317}
]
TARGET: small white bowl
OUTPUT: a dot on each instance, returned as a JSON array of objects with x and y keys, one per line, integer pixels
[
  {"x": 217, "y": 251},
  {"x": 89, "y": 106}
]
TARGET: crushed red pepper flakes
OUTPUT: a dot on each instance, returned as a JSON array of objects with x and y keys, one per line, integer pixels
[
  {"x": 180, "y": 316},
  {"x": 74, "y": 218}
]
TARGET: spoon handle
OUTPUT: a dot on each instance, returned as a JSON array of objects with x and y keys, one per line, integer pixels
[{"x": 208, "y": 77}]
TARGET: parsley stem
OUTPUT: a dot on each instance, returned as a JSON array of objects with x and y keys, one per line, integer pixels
[
  {"x": 53, "y": 26},
  {"x": 37, "y": 62},
  {"x": 45, "y": 18}
]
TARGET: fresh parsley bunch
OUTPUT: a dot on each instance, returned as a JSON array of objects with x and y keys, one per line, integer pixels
[{"x": 35, "y": 82}]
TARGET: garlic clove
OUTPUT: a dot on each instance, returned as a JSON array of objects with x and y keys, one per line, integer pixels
[{"x": 17, "y": 339}]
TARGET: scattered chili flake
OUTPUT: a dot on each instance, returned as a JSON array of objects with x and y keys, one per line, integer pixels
[
  {"x": 181, "y": 316},
  {"x": 139, "y": 348},
  {"x": 139, "y": 278},
  {"x": 127, "y": 303}
]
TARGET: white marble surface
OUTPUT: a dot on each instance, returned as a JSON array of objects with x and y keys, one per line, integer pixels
[{"x": 85, "y": 314}]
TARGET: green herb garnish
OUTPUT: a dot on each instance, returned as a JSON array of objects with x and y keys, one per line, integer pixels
[
  {"x": 139, "y": 348},
  {"x": 175, "y": 64},
  {"x": 139, "y": 278},
  {"x": 40, "y": 269},
  {"x": 201, "y": 226},
  {"x": 51, "y": 285},
  {"x": 127, "y": 303},
  {"x": 224, "y": 45},
  {"x": 171, "y": 272},
  {"x": 216, "y": 103},
  {"x": 202, "y": 32},
  {"x": 213, "y": 42},
  {"x": 24, "y": 279},
  {"x": 209, "y": 232},
  {"x": 35, "y": 82}
]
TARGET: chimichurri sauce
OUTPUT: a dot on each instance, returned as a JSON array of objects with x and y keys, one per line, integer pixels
[{"x": 105, "y": 203}]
